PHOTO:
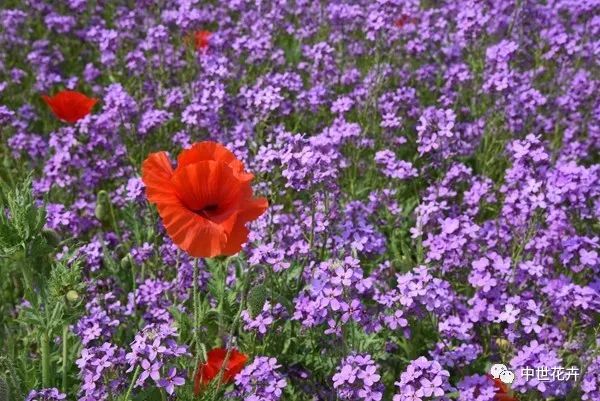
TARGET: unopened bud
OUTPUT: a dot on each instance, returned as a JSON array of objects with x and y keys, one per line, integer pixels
[
  {"x": 72, "y": 296},
  {"x": 257, "y": 297},
  {"x": 101, "y": 212},
  {"x": 102, "y": 197}
]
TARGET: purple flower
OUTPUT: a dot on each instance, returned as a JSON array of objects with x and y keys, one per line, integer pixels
[
  {"x": 260, "y": 381},
  {"x": 357, "y": 378},
  {"x": 49, "y": 394},
  {"x": 170, "y": 381}
]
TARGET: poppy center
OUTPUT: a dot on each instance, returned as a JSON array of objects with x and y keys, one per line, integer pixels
[{"x": 207, "y": 210}]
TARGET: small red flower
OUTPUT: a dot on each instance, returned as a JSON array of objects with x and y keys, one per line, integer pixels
[
  {"x": 70, "y": 106},
  {"x": 501, "y": 390},
  {"x": 403, "y": 20},
  {"x": 201, "y": 40},
  {"x": 209, "y": 370}
]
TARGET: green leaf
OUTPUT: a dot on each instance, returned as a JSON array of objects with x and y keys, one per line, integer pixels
[{"x": 150, "y": 394}]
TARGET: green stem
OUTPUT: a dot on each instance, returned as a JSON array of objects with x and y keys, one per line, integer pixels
[
  {"x": 45, "y": 351},
  {"x": 135, "y": 376},
  {"x": 221, "y": 307},
  {"x": 65, "y": 335},
  {"x": 234, "y": 325},
  {"x": 196, "y": 317}
]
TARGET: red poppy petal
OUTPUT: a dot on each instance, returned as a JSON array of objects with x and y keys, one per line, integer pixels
[
  {"x": 194, "y": 234},
  {"x": 70, "y": 106},
  {"x": 238, "y": 236},
  {"x": 203, "y": 184},
  {"x": 254, "y": 208},
  {"x": 236, "y": 239},
  {"x": 208, "y": 150},
  {"x": 216, "y": 355},
  {"x": 156, "y": 175}
]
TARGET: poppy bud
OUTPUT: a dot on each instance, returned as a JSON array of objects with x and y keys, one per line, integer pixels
[
  {"x": 4, "y": 390},
  {"x": 102, "y": 197},
  {"x": 257, "y": 297},
  {"x": 51, "y": 237},
  {"x": 101, "y": 213},
  {"x": 72, "y": 296},
  {"x": 127, "y": 262}
]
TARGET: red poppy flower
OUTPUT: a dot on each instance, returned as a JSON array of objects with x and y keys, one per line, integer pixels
[
  {"x": 501, "y": 390},
  {"x": 210, "y": 369},
  {"x": 201, "y": 40},
  {"x": 403, "y": 20},
  {"x": 70, "y": 106},
  {"x": 206, "y": 202}
]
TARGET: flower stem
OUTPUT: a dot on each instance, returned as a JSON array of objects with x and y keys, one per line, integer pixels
[
  {"x": 65, "y": 335},
  {"x": 221, "y": 307},
  {"x": 45, "y": 351},
  {"x": 135, "y": 376},
  {"x": 234, "y": 325},
  {"x": 196, "y": 317}
]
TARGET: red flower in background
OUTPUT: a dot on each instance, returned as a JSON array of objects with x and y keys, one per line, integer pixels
[
  {"x": 405, "y": 19},
  {"x": 206, "y": 202},
  {"x": 210, "y": 369},
  {"x": 70, "y": 106},
  {"x": 501, "y": 390},
  {"x": 201, "y": 40}
]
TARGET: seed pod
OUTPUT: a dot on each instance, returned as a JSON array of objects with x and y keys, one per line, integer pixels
[
  {"x": 257, "y": 297},
  {"x": 4, "y": 390}
]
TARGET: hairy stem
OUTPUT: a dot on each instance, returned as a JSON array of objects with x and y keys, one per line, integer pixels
[
  {"x": 196, "y": 318},
  {"x": 65, "y": 338},
  {"x": 45, "y": 351}
]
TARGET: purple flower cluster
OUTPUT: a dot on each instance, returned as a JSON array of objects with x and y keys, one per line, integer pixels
[
  {"x": 476, "y": 388},
  {"x": 48, "y": 394},
  {"x": 333, "y": 295},
  {"x": 591, "y": 381},
  {"x": 357, "y": 378},
  {"x": 432, "y": 175},
  {"x": 152, "y": 350},
  {"x": 101, "y": 371},
  {"x": 263, "y": 321},
  {"x": 260, "y": 381},
  {"x": 423, "y": 380}
]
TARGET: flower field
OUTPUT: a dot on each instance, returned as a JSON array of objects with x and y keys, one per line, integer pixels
[{"x": 301, "y": 200}]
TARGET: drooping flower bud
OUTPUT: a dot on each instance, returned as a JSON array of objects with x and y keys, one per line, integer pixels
[{"x": 257, "y": 297}]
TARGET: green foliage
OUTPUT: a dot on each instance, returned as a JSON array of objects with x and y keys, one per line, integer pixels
[
  {"x": 10, "y": 383},
  {"x": 22, "y": 225},
  {"x": 4, "y": 390}
]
